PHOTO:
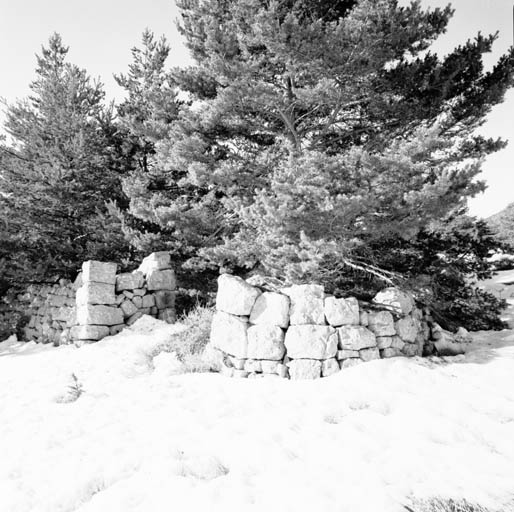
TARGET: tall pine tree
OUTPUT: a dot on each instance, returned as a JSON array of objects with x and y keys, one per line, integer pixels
[{"x": 61, "y": 168}]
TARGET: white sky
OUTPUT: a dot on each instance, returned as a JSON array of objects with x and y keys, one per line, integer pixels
[{"x": 101, "y": 33}]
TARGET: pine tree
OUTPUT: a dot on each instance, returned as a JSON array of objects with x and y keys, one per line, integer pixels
[
  {"x": 317, "y": 132},
  {"x": 58, "y": 174}
]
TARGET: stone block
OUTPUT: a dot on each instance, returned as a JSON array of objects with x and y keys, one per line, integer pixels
[
  {"x": 128, "y": 308},
  {"x": 301, "y": 369},
  {"x": 311, "y": 342},
  {"x": 342, "y": 311},
  {"x": 348, "y": 363},
  {"x": 363, "y": 318},
  {"x": 99, "y": 272},
  {"x": 148, "y": 301},
  {"x": 329, "y": 367},
  {"x": 384, "y": 341},
  {"x": 89, "y": 332},
  {"x": 164, "y": 299},
  {"x": 128, "y": 294},
  {"x": 269, "y": 366},
  {"x": 386, "y": 353},
  {"x": 155, "y": 261},
  {"x": 381, "y": 323},
  {"x": 307, "y": 304},
  {"x": 397, "y": 343},
  {"x": 271, "y": 308},
  {"x": 161, "y": 280},
  {"x": 252, "y": 365},
  {"x": 96, "y": 293},
  {"x": 265, "y": 342},
  {"x": 115, "y": 329},
  {"x": 400, "y": 302},
  {"x": 134, "y": 318},
  {"x": 137, "y": 301},
  {"x": 238, "y": 364},
  {"x": 411, "y": 350},
  {"x": 229, "y": 334},
  {"x": 140, "y": 291},
  {"x": 168, "y": 315},
  {"x": 355, "y": 337},
  {"x": 368, "y": 354},
  {"x": 347, "y": 354},
  {"x": 407, "y": 329},
  {"x": 235, "y": 296},
  {"x": 129, "y": 281},
  {"x": 99, "y": 315},
  {"x": 57, "y": 301}
]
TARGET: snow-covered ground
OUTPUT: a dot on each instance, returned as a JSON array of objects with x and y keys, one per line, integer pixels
[{"x": 141, "y": 439}]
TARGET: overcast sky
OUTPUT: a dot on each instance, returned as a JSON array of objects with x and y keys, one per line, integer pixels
[{"x": 101, "y": 33}]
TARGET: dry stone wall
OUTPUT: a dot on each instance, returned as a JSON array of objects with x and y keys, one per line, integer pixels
[
  {"x": 101, "y": 302},
  {"x": 302, "y": 333}
]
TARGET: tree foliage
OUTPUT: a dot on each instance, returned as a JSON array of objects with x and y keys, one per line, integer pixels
[{"x": 61, "y": 168}]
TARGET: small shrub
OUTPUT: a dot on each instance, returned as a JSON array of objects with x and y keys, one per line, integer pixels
[
  {"x": 75, "y": 389},
  {"x": 189, "y": 344}
]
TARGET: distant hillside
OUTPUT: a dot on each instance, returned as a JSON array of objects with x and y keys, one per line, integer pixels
[{"x": 503, "y": 224}]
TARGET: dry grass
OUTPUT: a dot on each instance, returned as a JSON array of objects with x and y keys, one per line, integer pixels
[
  {"x": 445, "y": 505},
  {"x": 189, "y": 345}
]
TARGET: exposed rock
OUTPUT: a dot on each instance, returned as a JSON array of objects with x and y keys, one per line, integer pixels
[
  {"x": 115, "y": 329},
  {"x": 89, "y": 332},
  {"x": 356, "y": 337},
  {"x": 128, "y": 308},
  {"x": 400, "y": 302},
  {"x": 390, "y": 352},
  {"x": 329, "y": 367},
  {"x": 129, "y": 281},
  {"x": 266, "y": 342},
  {"x": 348, "y": 363},
  {"x": 168, "y": 315},
  {"x": 301, "y": 369},
  {"x": 342, "y": 311},
  {"x": 311, "y": 342},
  {"x": 368, "y": 354},
  {"x": 99, "y": 315},
  {"x": 463, "y": 336},
  {"x": 347, "y": 354},
  {"x": 381, "y": 323},
  {"x": 251, "y": 365},
  {"x": 407, "y": 328},
  {"x": 161, "y": 280},
  {"x": 229, "y": 334},
  {"x": 270, "y": 366},
  {"x": 164, "y": 299},
  {"x": 411, "y": 350},
  {"x": 265, "y": 283},
  {"x": 307, "y": 304},
  {"x": 271, "y": 308},
  {"x": 98, "y": 272},
  {"x": 235, "y": 296}
]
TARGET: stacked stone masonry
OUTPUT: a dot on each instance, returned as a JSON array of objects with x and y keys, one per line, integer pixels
[
  {"x": 302, "y": 333},
  {"x": 101, "y": 302}
]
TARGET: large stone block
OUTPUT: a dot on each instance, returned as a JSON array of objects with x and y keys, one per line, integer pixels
[
  {"x": 99, "y": 315},
  {"x": 235, "y": 296},
  {"x": 356, "y": 337},
  {"x": 368, "y": 354},
  {"x": 96, "y": 293},
  {"x": 407, "y": 328},
  {"x": 99, "y": 272},
  {"x": 342, "y": 311},
  {"x": 271, "y": 308},
  {"x": 165, "y": 299},
  {"x": 129, "y": 281},
  {"x": 155, "y": 261},
  {"x": 161, "y": 280},
  {"x": 307, "y": 304},
  {"x": 128, "y": 308},
  {"x": 149, "y": 301},
  {"x": 400, "y": 302},
  {"x": 301, "y": 369},
  {"x": 266, "y": 342},
  {"x": 229, "y": 334},
  {"x": 329, "y": 367},
  {"x": 311, "y": 342},
  {"x": 381, "y": 323},
  {"x": 89, "y": 332}
]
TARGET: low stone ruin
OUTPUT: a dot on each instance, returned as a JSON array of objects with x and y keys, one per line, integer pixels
[
  {"x": 101, "y": 302},
  {"x": 302, "y": 333}
]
